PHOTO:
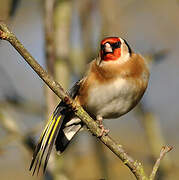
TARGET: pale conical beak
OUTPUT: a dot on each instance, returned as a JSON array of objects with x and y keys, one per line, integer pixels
[{"x": 108, "y": 48}]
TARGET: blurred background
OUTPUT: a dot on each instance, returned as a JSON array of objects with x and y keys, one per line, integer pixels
[{"x": 64, "y": 35}]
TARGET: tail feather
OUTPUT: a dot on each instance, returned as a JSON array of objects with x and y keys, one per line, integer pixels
[
  {"x": 46, "y": 141},
  {"x": 40, "y": 142},
  {"x": 52, "y": 139},
  {"x": 65, "y": 135}
]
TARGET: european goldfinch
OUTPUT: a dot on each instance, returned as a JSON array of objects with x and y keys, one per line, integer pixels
[{"x": 114, "y": 83}]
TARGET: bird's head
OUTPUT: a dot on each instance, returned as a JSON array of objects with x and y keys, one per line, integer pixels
[{"x": 114, "y": 49}]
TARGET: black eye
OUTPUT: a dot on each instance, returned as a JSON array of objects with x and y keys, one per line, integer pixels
[{"x": 116, "y": 45}]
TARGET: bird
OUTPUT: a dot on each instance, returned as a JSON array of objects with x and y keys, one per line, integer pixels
[{"x": 113, "y": 85}]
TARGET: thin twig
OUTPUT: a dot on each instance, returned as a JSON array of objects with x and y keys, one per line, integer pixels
[{"x": 164, "y": 150}]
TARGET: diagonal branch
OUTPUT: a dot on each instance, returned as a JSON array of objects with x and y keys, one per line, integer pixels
[{"x": 136, "y": 167}]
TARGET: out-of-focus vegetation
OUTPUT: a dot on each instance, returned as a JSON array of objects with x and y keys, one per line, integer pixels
[{"x": 151, "y": 27}]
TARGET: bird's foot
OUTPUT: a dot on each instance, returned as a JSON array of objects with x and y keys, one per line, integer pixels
[{"x": 104, "y": 131}]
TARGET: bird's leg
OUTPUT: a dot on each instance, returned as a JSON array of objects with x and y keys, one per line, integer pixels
[{"x": 104, "y": 131}]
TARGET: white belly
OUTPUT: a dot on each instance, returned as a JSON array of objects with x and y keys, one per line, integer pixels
[{"x": 112, "y": 100}]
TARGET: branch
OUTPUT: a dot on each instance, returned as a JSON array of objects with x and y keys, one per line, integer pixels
[
  {"x": 136, "y": 167},
  {"x": 163, "y": 152}
]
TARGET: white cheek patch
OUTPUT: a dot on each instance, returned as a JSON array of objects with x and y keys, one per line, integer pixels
[{"x": 125, "y": 55}]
